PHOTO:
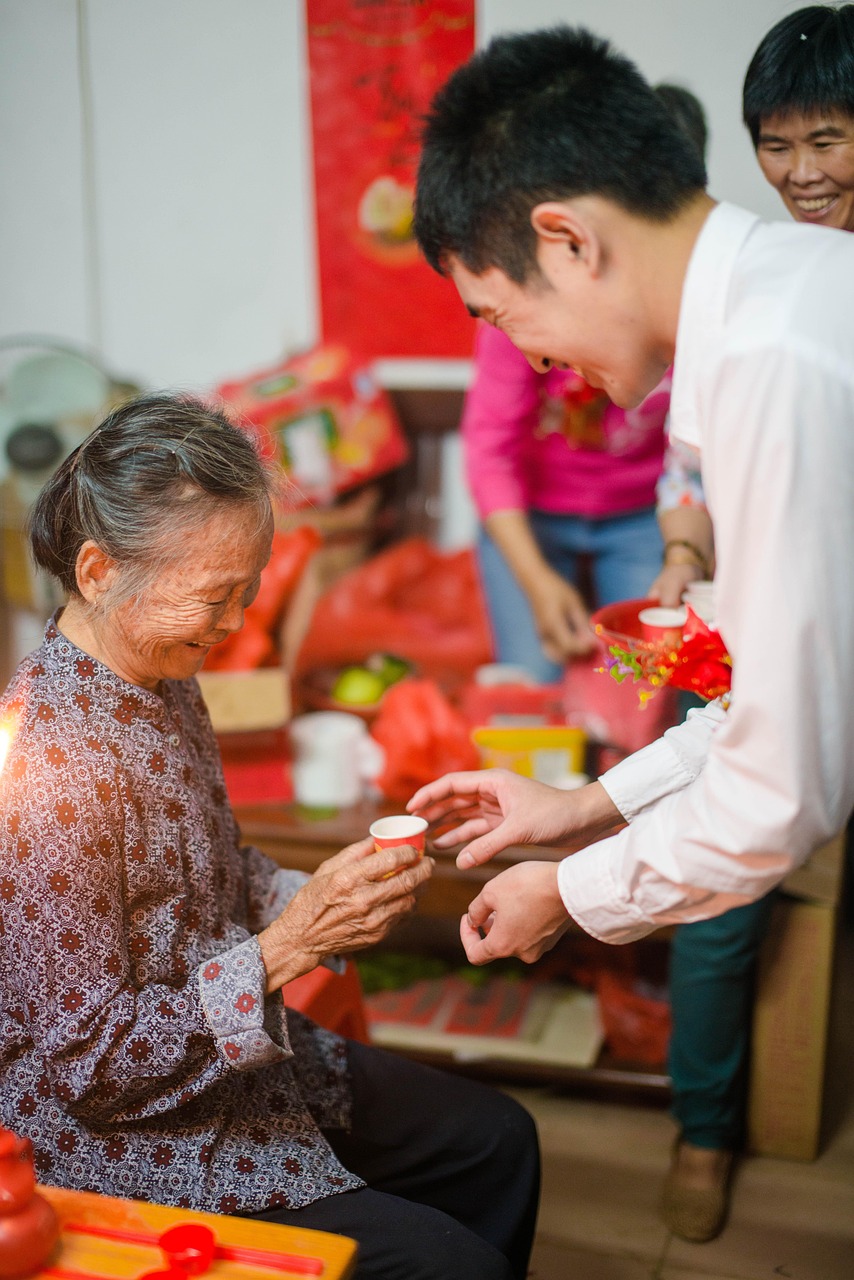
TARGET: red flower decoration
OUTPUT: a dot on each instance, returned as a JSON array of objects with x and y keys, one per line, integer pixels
[
  {"x": 232, "y": 1050},
  {"x": 245, "y": 1003},
  {"x": 701, "y": 664},
  {"x": 212, "y": 970}
]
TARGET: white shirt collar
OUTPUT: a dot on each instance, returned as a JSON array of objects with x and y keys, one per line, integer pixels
[{"x": 702, "y": 311}]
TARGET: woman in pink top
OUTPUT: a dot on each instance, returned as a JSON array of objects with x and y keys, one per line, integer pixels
[{"x": 563, "y": 480}]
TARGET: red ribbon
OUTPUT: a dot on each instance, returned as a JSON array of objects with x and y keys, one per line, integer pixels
[{"x": 701, "y": 664}]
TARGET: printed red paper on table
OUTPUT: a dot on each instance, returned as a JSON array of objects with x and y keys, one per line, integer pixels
[{"x": 373, "y": 70}]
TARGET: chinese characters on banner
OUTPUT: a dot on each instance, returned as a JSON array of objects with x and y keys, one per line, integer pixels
[{"x": 374, "y": 66}]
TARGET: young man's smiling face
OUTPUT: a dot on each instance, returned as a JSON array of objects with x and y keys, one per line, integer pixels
[
  {"x": 809, "y": 159},
  {"x": 569, "y": 318}
]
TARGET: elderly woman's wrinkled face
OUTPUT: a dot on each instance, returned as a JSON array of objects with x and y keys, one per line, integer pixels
[{"x": 195, "y": 602}]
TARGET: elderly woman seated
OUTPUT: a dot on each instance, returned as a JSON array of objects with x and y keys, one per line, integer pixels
[{"x": 144, "y": 1045}]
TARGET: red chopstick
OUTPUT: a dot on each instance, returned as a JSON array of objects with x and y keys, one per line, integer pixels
[
  {"x": 296, "y": 1265},
  {"x": 299, "y": 1265}
]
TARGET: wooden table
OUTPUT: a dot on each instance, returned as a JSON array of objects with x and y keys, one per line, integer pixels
[{"x": 124, "y": 1235}]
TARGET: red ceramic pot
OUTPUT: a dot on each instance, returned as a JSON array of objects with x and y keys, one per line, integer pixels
[{"x": 28, "y": 1224}]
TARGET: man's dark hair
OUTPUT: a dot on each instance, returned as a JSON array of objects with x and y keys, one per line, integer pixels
[
  {"x": 687, "y": 110},
  {"x": 804, "y": 64},
  {"x": 543, "y": 115}
]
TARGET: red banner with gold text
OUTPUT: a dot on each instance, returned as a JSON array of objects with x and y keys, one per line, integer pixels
[{"x": 374, "y": 66}]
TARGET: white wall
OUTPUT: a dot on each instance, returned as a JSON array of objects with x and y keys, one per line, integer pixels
[
  {"x": 704, "y": 45},
  {"x": 193, "y": 258},
  {"x": 202, "y": 203}
]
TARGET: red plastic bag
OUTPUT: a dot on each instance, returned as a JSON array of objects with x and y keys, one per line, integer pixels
[
  {"x": 413, "y": 600},
  {"x": 610, "y": 713},
  {"x": 422, "y": 735},
  {"x": 636, "y": 1026}
]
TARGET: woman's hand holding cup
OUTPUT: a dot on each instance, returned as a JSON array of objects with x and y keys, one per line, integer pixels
[
  {"x": 401, "y": 830},
  {"x": 350, "y": 903}
]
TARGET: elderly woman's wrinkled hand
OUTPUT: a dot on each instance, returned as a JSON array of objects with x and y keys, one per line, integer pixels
[{"x": 351, "y": 902}]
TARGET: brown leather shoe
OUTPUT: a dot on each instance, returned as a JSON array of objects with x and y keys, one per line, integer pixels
[{"x": 695, "y": 1198}]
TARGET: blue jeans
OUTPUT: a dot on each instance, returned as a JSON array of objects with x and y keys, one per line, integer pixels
[{"x": 625, "y": 556}]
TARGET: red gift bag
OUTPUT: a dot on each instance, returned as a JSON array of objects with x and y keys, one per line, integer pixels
[{"x": 423, "y": 736}]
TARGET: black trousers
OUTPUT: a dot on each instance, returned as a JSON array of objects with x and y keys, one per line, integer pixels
[{"x": 453, "y": 1174}]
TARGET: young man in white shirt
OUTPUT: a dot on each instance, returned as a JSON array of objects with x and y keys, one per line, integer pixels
[
  {"x": 554, "y": 192},
  {"x": 599, "y": 268}
]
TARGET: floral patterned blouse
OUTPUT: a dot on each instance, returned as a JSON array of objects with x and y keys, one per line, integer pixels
[{"x": 137, "y": 1048}]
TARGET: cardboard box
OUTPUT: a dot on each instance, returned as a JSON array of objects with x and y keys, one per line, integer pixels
[
  {"x": 249, "y": 711},
  {"x": 246, "y": 701},
  {"x": 790, "y": 1021},
  {"x": 821, "y": 876}
]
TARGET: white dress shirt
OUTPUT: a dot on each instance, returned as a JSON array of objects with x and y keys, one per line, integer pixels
[{"x": 722, "y": 807}]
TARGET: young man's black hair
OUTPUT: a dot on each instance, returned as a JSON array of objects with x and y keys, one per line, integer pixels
[
  {"x": 543, "y": 115},
  {"x": 687, "y": 111},
  {"x": 804, "y": 64}
]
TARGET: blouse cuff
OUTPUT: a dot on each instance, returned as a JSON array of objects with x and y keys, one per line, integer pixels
[
  {"x": 645, "y": 777},
  {"x": 233, "y": 994}
]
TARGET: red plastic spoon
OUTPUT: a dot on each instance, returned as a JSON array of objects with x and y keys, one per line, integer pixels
[{"x": 189, "y": 1248}]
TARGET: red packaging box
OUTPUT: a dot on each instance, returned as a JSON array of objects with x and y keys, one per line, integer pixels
[{"x": 324, "y": 418}]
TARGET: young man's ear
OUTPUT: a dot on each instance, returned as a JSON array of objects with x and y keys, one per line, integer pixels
[
  {"x": 560, "y": 226},
  {"x": 95, "y": 571}
]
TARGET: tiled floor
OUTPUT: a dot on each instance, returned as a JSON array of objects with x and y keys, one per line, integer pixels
[{"x": 603, "y": 1167}]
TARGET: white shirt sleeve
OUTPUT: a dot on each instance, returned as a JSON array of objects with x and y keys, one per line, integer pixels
[
  {"x": 664, "y": 766},
  {"x": 778, "y": 777}
]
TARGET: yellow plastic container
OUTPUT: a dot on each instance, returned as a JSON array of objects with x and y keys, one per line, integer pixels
[{"x": 545, "y": 752}]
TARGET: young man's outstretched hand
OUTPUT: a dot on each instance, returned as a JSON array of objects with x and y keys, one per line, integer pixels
[{"x": 520, "y": 912}]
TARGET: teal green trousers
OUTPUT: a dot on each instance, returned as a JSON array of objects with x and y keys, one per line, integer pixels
[{"x": 712, "y": 969}]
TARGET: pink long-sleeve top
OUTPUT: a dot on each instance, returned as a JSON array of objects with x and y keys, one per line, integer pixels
[{"x": 549, "y": 442}]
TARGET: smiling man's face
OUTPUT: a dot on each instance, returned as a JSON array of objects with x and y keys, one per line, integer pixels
[
  {"x": 576, "y": 322},
  {"x": 809, "y": 160}
]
